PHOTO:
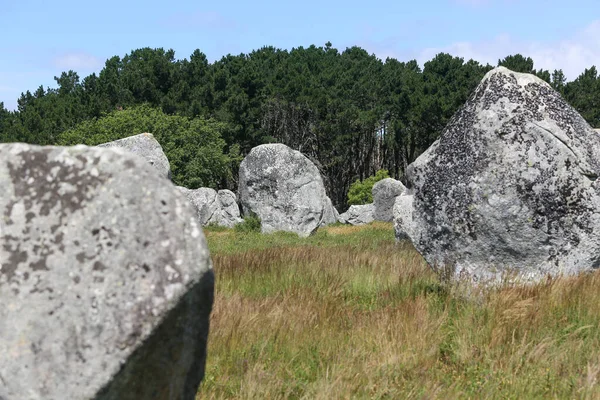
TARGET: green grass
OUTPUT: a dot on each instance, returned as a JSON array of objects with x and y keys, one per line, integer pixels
[{"x": 348, "y": 313}]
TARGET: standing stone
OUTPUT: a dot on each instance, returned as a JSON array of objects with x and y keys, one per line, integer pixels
[
  {"x": 511, "y": 187},
  {"x": 146, "y": 146},
  {"x": 384, "y": 195},
  {"x": 358, "y": 215},
  {"x": 330, "y": 215},
  {"x": 205, "y": 203},
  {"x": 212, "y": 207},
  {"x": 230, "y": 211},
  {"x": 283, "y": 188},
  {"x": 106, "y": 283},
  {"x": 402, "y": 215}
]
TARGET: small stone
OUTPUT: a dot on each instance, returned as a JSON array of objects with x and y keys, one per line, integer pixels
[
  {"x": 358, "y": 214},
  {"x": 385, "y": 193}
]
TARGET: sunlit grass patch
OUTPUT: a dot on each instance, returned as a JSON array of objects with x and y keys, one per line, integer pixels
[{"x": 349, "y": 313}]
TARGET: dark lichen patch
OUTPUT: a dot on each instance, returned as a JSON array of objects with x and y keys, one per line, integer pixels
[
  {"x": 37, "y": 182},
  {"x": 39, "y": 265},
  {"x": 80, "y": 257},
  {"x": 29, "y": 216},
  {"x": 129, "y": 164},
  {"x": 99, "y": 266},
  {"x": 16, "y": 256},
  {"x": 43, "y": 186}
]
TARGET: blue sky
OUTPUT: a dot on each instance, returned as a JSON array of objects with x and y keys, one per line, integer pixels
[{"x": 43, "y": 38}]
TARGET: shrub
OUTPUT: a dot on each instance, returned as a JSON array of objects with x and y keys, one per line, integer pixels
[
  {"x": 194, "y": 146},
  {"x": 251, "y": 223},
  {"x": 360, "y": 191}
]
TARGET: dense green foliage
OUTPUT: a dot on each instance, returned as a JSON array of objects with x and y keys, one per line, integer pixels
[
  {"x": 360, "y": 192},
  {"x": 251, "y": 223},
  {"x": 194, "y": 147},
  {"x": 351, "y": 112}
]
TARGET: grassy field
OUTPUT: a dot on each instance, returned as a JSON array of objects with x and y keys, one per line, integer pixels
[{"x": 348, "y": 313}]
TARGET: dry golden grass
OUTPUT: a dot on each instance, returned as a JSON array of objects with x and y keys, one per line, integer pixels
[{"x": 351, "y": 314}]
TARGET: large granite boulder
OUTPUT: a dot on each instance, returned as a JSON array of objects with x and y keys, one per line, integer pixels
[
  {"x": 106, "y": 283},
  {"x": 212, "y": 207},
  {"x": 358, "y": 214},
  {"x": 510, "y": 189},
  {"x": 384, "y": 195},
  {"x": 284, "y": 189},
  {"x": 146, "y": 146}
]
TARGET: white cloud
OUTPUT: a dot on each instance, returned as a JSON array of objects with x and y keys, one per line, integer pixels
[
  {"x": 77, "y": 61},
  {"x": 572, "y": 55}
]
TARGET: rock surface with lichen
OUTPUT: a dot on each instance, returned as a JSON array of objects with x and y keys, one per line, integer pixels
[
  {"x": 106, "y": 283},
  {"x": 510, "y": 188},
  {"x": 212, "y": 207},
  {"x": 330, "y": 214},
  {"x": 385, "y": 193},
  {"x": 147, "y": 147},
  {"x": 284, "y": 189},
  {"x": 358, "y": 214}
]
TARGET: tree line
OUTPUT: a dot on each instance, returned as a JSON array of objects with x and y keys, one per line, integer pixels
[{"x": 352, "y": 113}]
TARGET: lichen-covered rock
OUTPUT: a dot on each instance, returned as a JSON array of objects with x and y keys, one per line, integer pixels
[
  {"x": 283, "y": 188},
  {"x": 230, "y": 211},
  {"x": 146, "y": 146},
  {"x": 384, "y": 195},
  {"x": 358, "y": 214},
  {"x": 402, "y": 216},
  {"x": 106, "y": 283},
  {"x": 330, "y": 215},
  {"x": 206, "y": 203},
  {"x": 510, "y": 188},
  {"x": 212, "y": 207}
]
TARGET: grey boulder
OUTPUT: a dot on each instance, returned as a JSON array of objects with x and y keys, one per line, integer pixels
[
  {"x": 205, "y": 203},
  {"x": 510, "y": 189},
  {"x": 212, "y": 207},
  {"x": 330, "y": 215},
  {"x": 384, "y": 195},
  {"x": 146, "y": 146},
  {"x": 358, "y": 214},
  {"x": 284, "y": 189},
  {"x": 106, "y": 283},
  {"x": 230, "y": 211}
]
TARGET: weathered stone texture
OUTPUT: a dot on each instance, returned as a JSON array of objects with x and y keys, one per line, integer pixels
[
  {"x": 106, "y": 283},
  {"x": 284, "y": 189},
  {"x": 146, "y": 146},
  {"x": 509, "y": 188},
  {"x": 358, "y": 214},
  {"x": 385, "y": 193}
]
